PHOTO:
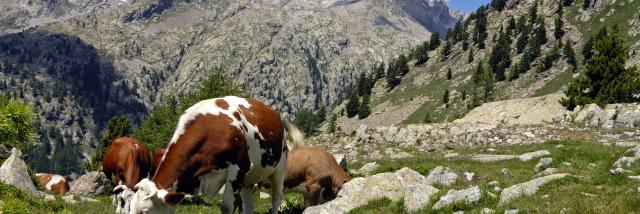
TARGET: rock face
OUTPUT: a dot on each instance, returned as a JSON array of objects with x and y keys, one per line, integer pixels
[
  {"x": 527, "y": 111},
  {"x": 368, "y": 168},
  {"x": 14, "y": 171},
  {"x": 91, "y": 184},
  {"x": 527, "y": 188},
  {"x": 404, "y": 183},
  {"x": 441, "y": 176},
  {"x": 468, "y": 196}
]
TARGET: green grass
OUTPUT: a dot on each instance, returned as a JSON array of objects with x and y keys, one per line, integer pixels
[
  {"x": 590, "y": 164},
  {"x": 556, "y": 83},
  {"x": 195, "y": 205},
  {"x": 17, "y": 201}
]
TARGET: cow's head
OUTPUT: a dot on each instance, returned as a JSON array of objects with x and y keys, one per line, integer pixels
[
  {"x": 149, "y": 199},
  {"x": 122, "y": 199}
]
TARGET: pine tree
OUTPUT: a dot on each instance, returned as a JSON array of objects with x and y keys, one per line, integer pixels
[
  {"x": 567, "y": 3},
  {"x": 498, "y": 4},
  {"x": 500, "y": 54},
  {"x": 521, "y": 44},
  {"x": 362, "y": 85},
  {"x": 307, "y": 121},
  {"x": 445, "y": 98},
  {"x": 559, "y": 29},
  {"x": 488, "y": 83},
  {"x": 541, "y": 31},
  {"x": 422, "y": 54},
  {"x": 511, "y": 26},
  {"x": 364, "y": 110},
  {"x": 332, "y": 123},
  {"x": 446, "y": 50},
  {"x": 587, "y": 49},
  {"x": 480, "y": 32},
  {"x": 353, "y": 104},
  {"x": 449, "y": 74},
  {"x": 569, "y": 54},
  {"x": 586, "y": 4},
  {"x": 379, "y": 72},
  {"x": 605, "y": 79},
  {"x": 392, "y": 77},
  {"x": 551, "y": 57},
  {"x": 521, "y": 25},
  {"x": 470, "y": 58},
  {"x": 434, "y": 41},
  {"x": 533, "y": 12}
]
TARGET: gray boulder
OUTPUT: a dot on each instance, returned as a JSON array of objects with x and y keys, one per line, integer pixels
[
  {"x": 527, "y": 188},
  {"x": 548, "y": 171},
  {"x": 442, "y": 176},
  {"x": 91, "y": 184},
  {"x": 14, "y": 172},
  {"x": 368, "y": 168},
  {"x": 468, "y": 196},
  {"x": 543, "y": 163},
  {"x": 531, "y": 155},
  {"x": 403, "y": 184}
]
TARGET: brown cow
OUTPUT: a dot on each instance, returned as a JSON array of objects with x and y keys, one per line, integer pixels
[
  {"x": 55, "y": 183},
  {"x": 314, "y": 173},
  {"x": 155, "y": 161},
  {"x": 126, "y": 162},
  {"x": 229, "y": 141}
]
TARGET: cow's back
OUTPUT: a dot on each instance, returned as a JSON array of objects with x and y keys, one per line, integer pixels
[{"x": 126, "y": 160}]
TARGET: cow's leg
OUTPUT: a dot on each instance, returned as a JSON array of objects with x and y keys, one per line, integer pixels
[
  {"x": 246, "y": 194},
  {"x": 277, "y": 184},
  {"x": 314, "y": 192},
  {"x": 227, "y": 199}
]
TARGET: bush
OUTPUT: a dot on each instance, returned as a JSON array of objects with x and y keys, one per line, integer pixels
[{"x": 16, "y": 123}]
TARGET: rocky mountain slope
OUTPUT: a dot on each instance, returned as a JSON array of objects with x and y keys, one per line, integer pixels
[
  {"x": 419, "y": 96},
  {"x": 81, "y": 62}
]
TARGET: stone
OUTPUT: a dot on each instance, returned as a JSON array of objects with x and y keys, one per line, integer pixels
[
  {"x": 511, "y": 211},
  {"x": 493, "y": 183},
  {"x": 531, "y": 155},
  {"x": 264, "y": 195},
  {"x": 469, "y": 176},
  {"x": 497, "y": 189},
  {"x": 505, "y": 172},
  {"x": 618, "y": 171},
  {"x": 91, "y": 184},
  {"x": 49, "y": 198},
  {"x": 442, "y": 176},
  {"x": 14, "y": 171},
  {"x": 341, "y": 159},
  {"x": 493, "y": 158},
  {"x": 527, "y": 188},
  {"x": 624, "y": 162},
  {"x": 468, "y": 196},
  {"x": 543, "y": 163},
  {"x": 368, "y": 168},
  {"x": 69, "y": 199},
  {"x": 548, "y": 171},
  {"x": 418, "y": 191},
  {"x": 635, "y": 177},
  {"x": 404, "y": 184},
  {"x": 486, "y": 211}
]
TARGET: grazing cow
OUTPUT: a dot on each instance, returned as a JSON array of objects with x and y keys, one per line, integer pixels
[
  {"x": 125, "y": 163},
  {"x": 314, "y": 173},
  {"x": 229, "y": 141},
  {"x": 54, "y": 183}
]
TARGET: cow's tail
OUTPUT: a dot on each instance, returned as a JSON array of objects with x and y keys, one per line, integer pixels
[{"x": 297, "y": 137}]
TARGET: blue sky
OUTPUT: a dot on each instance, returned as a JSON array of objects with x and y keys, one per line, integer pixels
[{"x": 466, "y": 6}]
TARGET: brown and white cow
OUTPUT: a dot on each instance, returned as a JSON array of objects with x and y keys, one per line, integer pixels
[
  {"x": 54, "y": 183},
  {"x": 229, "y": 141},
  {"x": 125, "y": 163}
]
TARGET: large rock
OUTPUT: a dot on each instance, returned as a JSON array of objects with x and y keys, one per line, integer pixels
[
  {"x": 14, "y": 172},
  {"x": 403, "y": 184},
  {"x": 91, "y": 184},
  {"x": 527, "y": 188},
  {"x": 613, "y": 115},
  {"x": 468, "y": 196},
  {"x": 442, "y": 176},
  {"x": 527, "y": 111}
]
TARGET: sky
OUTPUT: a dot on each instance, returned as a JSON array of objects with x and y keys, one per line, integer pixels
[{"x": 466, "y": 6}]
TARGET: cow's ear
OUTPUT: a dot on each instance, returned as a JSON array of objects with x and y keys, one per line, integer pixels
[{"x": 174, "y": 197}]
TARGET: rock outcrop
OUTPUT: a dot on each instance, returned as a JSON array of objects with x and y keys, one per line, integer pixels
[
  {"x": 467, "y": 196},
  {"x": 613, "y": 115},
  {"x": 14, "y": 171},
  {"x": 91, "y": 184},
  {"x": 441, "y": 176},
  {"x": 526, "y": 111},
  {"x": 527, "y": 188},
  {"x": 403, "y": 184}
]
